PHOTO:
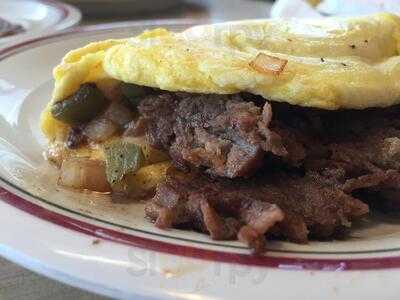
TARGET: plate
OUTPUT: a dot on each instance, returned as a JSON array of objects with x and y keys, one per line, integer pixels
[
  {"x": 37, "y": 16},
  {"x": 86, "y": 241}
]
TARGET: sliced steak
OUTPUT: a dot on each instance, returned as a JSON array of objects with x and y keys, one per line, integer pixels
[
  {"x": 246, "y": 209},
  {"x": 223, "y": 134},
  {"x": 351, "y": 150},
  {"x": 314, "y": 167}
]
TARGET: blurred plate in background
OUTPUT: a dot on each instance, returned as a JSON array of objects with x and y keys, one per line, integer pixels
[
  {"x": 122, "y": 7},
  {"x": 29, "y": 17}
]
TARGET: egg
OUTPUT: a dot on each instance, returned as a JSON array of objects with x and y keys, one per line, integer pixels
[{"x": 332, "y": 63}]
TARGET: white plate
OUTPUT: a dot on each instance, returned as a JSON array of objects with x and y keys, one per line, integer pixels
[
  {"x": 37, "y": 16},
  {"x": 107, "y": 248}
]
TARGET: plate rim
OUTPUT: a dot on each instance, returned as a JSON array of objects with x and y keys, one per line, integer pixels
[
  {"x": 295, "y": 263},
  {"x": 70, "y": 16},
  {"x": 10, "y": 197}
]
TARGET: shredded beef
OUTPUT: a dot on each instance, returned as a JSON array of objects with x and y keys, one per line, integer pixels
[
  {"x": 296, "y": 206},
  {"x": 310, "y": 169},
  {"x": 352, "y": 150},
  {"x": 224, "y": 134}
]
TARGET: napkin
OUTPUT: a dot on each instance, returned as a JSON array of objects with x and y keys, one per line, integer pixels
[{"x": 303, "y": 8}]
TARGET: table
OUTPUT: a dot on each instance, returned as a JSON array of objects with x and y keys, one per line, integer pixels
[{"x": 19, "y": 283}]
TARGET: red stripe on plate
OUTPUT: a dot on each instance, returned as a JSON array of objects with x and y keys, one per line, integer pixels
[
  {"x": 199, "y": 253},
  {"x": 160, "y": 246}
]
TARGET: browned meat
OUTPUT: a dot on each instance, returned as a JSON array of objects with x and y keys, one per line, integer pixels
[
  {"x": 320, "y": 166},
  {"x": 352, "y": 150},
  {"x": 224, "y": 134},
  {"x": 248, "y": 208},
  {"x": 7, "y": 28},
  {"x": 158, "y": 117}
]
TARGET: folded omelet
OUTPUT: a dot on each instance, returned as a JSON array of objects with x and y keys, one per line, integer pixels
[
  {"x": 332, "y": 63},
  {"x": 191, "y": 121}
]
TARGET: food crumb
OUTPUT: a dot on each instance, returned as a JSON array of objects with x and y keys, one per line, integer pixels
[
  {"x": 96, "y": 242},
  {"x": 168, "y": 273}
]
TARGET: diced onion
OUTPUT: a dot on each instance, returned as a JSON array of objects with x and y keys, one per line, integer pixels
[
  {"x": 118, "y": 113},
  {"x": 84, "y": 173},
  {"x": 268, "y": 64},
  {"x": 110, "y": 88},
  {"x": 100, "y": 129}
]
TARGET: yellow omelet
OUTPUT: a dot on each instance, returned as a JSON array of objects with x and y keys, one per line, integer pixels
[{"x": 332, "y": 63}]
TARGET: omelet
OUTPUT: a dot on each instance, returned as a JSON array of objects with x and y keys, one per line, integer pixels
[
  {"x": 332, "y": 63},
  {"x": 275, "y": 111}
]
